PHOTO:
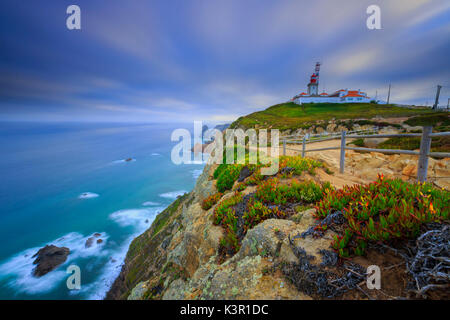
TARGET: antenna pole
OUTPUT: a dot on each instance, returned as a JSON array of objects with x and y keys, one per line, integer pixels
[
  {"x": 389, "y": 94},
  {"x": 438, "y": 92}
]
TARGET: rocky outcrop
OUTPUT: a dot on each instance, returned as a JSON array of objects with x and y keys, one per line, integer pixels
[
  {"x": 179, "y": 258},
  {"x": 48, "y": 258},
  {"x": 368, "y": 165}
]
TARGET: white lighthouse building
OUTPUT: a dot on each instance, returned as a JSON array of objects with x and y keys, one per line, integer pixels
[{"x": 340, "y": 96}]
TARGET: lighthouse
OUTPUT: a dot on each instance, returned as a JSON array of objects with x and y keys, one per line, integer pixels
[
  {"x": 313, "y": 85},
  {"x": 340, "y": 96}
]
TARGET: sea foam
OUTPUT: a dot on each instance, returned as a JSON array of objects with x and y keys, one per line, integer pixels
[
  {"x": 150, "y": 203},
  {"x": 88, "y": 195},
  {"x": 173, "y": 194},
  {"x": 19, "y": 268},
  {"x": 141, "y": 219},
  {"x": 196, "y": 173}
]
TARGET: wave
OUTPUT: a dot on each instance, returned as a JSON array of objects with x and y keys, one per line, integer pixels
[
  {"x": 138, "y": 218},
  {"x": 124, "y": 160},
  {"x": 88, "y": 195},
  {"x": 196, "y": 173},
  {"x": 156, "y": 154},
  {"x": 150, "y": 203},
  {"x": 19, "y": 268},
  {"x": 141, "y": 219},
  {"x": 173, "y": 194}
]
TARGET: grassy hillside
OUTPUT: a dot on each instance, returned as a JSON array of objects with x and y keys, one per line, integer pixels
[{"x": 290, "y": 115}]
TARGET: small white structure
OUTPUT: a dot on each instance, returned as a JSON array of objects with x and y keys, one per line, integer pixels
[{"x": 340, "y": 96}]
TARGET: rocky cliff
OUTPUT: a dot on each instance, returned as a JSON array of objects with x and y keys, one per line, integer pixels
[
  {"x": 177, "y": 258},
  {"x": 181, "y": 256}
]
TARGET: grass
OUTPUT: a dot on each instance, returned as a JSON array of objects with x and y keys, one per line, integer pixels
[
  {"x": 290, "y": 115},
  {"x": 438, "y": 144},
  {"x": 162, "y": 218},
  {"x": 439, "y": 120}
]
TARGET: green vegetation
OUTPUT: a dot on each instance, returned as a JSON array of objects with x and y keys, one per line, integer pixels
[
  {"x": 290, "y": 115},
  {"x": 260, "y": 207},
  {"x": 162, "y": 218},
  {"x": 439, "y": 120},
  {"x": 298, "y": 164},
  {"x": 228, "y": 175},
  {"x": 438, "y": 144},
  {"x": 211, "y": 200},
  {"x": 273, "y": 192},
  {"x": 381, "y": 211},
  {"x": 269, "y": 192}
]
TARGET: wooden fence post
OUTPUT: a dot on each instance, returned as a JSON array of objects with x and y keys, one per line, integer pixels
[
  {"x": 284, "y": 147},
  {"x": 342, "y": 160},
  {"x": 304, "y": 147},
  {"x": 425, "y": 144}
]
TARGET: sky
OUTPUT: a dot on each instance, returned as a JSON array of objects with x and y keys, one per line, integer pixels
[{"x": 212, "y": 60}]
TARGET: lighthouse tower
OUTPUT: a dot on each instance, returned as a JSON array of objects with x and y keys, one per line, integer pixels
[{"x": 313, "y": 85}]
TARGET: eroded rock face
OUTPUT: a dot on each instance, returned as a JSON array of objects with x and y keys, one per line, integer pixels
[
  {"x": 48, "y": 258},
  {"x": 245, "y": 275}
]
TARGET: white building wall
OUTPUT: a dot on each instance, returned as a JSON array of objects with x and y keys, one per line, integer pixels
[
  {"x": 355, "y": 100},
  {"x": 317, "y": 100}
]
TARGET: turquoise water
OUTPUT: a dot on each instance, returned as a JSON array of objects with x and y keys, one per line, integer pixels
[{"x": 46, "y": 168}]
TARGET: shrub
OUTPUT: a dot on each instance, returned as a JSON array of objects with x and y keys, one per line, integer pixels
[
  {"x": 225, "y": 215},
  {"x": 272, "y": 192},
  {"x": 228, "y": 175},
  {"x": 299, "y": 164},
  {"x": 257, "y": 212},
  {"x": 211, "y": 200},
  {"x": 224, "y": 206}
]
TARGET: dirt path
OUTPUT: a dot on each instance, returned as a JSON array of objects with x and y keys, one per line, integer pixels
[
  {"x": 364, "y": 167},
  {"x": 331, "y": 158}
]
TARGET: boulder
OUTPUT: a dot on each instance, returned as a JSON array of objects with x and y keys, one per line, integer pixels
[
  {"x": 409, "y": 170},
  {"x": 331, "y": 127},
  {"x": 89, "y": 242},
  {"x": 245, "y": 173},
  {"x": 320, "y": 130},
  {"x": 373, "y": 142},
  {"x": 48, "y": 258}
]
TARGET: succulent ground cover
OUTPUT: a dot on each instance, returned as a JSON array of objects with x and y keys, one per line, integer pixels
[
  {"x": 211, "y": 200},
  {"x": 381, "y": 211},
  {"x": 387, "y": 213},
  {"x": 272, "y": 199}
]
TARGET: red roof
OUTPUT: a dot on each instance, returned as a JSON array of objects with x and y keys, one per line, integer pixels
[
  {"x": 324, "y": 94},
  {"x": 354, "y": 94}
]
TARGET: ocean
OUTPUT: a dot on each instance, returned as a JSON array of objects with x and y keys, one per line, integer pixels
[{"x": 61, "y": 183}]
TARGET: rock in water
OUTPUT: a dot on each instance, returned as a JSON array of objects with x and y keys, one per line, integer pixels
[
  {"x": 89, "y": 242},
  {"x": 48, "y": 258}
]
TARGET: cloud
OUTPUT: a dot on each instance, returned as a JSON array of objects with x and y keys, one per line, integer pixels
[
  {"x": 152, "y": 61},
  {"x": 352, "y": 61},
  {"x": 224, "y": 117}
]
